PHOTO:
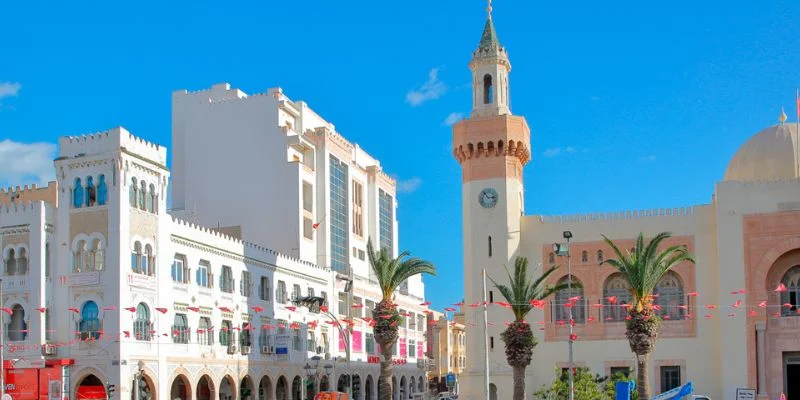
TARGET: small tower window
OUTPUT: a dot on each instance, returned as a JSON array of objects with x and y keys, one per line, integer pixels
[
  {"x": 584, "y": 256},
  {"x": 77, "y": 194},
  {"x": 599, "y": 255},
  {"x": 490, "y": 246},
  {"x": 102, "y": 191},
  {"x": 151, "y": 198},
  {"x": 488, "y": 90},
  {"x": 551, "y": 258},
  {"x": 91, "y": 193},
  {"x": 142, "y": 195}
]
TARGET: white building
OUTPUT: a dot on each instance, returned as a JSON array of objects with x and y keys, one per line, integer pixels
[
  {"x": 730, "y": 322},
  {"x": 100, "y": 282}
]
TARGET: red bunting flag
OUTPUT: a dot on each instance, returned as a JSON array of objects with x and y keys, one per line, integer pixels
[
  {"x": 711, "y": 306},
  {"x": 385, "y": 316},
  {"x": 42, "y": 309},
  {"x": 475, "y": 305},
  {"x": 394, "y": 323},
  {"x": 425, "y": 304},
  {"x": 574, "y": 299},
  {"x": 291, "y": 308},
  {"x": 781, "y": 288},
  {"x": 358, "y": 306},
  {"x": 323, "y": 308},
  {"x": 683, "y": 307},
  {"x": 573, "y": 337},
  {"x": 763, "y": 304},
  {"x": 257, "y": 309},
  {"x": 73, "y": 309},
  {"x": 597, "y": 305},
  {"x": 459, "y": 304},
  {"x": 131, "y": 309},
  {"x": 737, "y": 304},
  {"x": 161, "y": 310},
  {"x": 752, "y": 313},
  {"x": 127, "y": 334},
  {"x": 612, "y": 299},
  {"x": 225, "y": 309},
  {"x": 692, "y": 294},
  {"x": 449, "y": 309},
  {"x": 709, "y": 316},
  {"x": 667, "y": 316},
  {"x": 195, "y": 309}
]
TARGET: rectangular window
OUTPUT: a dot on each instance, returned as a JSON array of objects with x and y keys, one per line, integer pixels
[
  {"x": 263, "y": 292},
  {"x": 226, "y": 279},
  {"x": 670, "y": 377},
  {"x": 370, "y": 344},
  {"x": 226, "y": 333},
  {"x": 245, "y": 284},
  {"x": 405, "y": 319},
  {"x": 412, "y": 321},
  {"x": 412, "y": 348},
  {"x": 244, "y": 336},
  {"x": 369, "y": 306},
  {"x": 338, "y": 215},
  {"x": 357, "y": 302},
  {"x": 386, "y": 221},
  {"x": 311, "y": 341},
  {"x": 281, "y": 296},
  {"x": 623, "y": 371},
  {"x": 296, "y": 294},
  {"x": 308, "y": 228},
  {"x": 180, "y": 273},
  {"x": 204, "y": 277},
  {"x": 420, "y": 322},
  {"x": 491, "y": 343},
  {"x": 358, "y": 344},
  {"x": 358, "y": 208},
  {"x": 180, "y": 329},
  {"x": 362, "y": 255},
  {"x": 205, "y": 333},
  {"x": 308, "y": 197},
  {"x": 342, "y": 303},
  {"x": 403, "y": 348}
]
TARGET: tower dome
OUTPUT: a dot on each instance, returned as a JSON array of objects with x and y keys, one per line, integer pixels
[{"x": 769, "y": 155}]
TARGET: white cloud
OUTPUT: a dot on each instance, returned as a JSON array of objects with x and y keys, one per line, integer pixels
[
  {"x": 555, "y": 151},
  {"x": 9, "y": 89},
  {"x": 648, "y": 158},
  {"x": 552, "y": 152},
  {"x": 453, "y": 118},
  {"x": 409, "y": 185},
  {"x": 432, "y": 89},
  {"x": 26, "y": 162}
]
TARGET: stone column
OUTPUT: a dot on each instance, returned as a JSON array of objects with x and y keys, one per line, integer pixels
[{"x": 761, "y": 358}]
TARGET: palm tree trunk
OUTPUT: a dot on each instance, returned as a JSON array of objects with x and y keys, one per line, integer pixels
[
  {"x": 385, "y": 380},
  {"x": 519, "y": 382},
  {"x": 642, "y": 376}
]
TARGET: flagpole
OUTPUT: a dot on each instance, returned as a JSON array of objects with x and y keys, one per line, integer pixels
[
  {"x": 485, "y": 339},
  {"x": 797, "y": 125}
]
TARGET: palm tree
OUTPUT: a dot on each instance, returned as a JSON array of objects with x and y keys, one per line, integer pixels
[
  {"x": 390, "y": 274},
  {"x": 521, "y": 292},
  {"x": 643, "y": 267}
]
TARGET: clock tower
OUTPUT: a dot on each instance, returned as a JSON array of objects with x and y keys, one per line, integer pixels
[{"x": 492, "y": 146}]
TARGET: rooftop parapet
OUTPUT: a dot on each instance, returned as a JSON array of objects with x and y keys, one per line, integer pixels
[
  {"x": 29, "y": 193},
  {"x": 110, "y": 140},
  {"x": 616, "y": 216}
]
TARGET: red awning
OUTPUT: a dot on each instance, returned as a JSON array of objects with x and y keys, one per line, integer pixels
[{"x": 86, "y": 392}]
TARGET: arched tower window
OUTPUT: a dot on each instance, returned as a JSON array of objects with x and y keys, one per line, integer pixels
[
  {"x": 147, "y": 261},
  {"x": 136, "y": 258},
  {"x": 102, "y": 191},
  {"x": 600, "y": 256},
  {"x": 562, "y": 305},
  {"x": 133, "y": 192},
  {"x": 11, "y": 262},
  {"x": 551, "y": 258},
  {"x": 584, "y": 256},
  {"x": 142, "y": 325},
  {"x": 97, "y": 255},
  {"x": 616, "y": 294},
  {"x": 91, "y": 192},
  {"x": 77, "y": 194},
  {"x": 488, "y": 90},
  {"x": 22, "y": 262},
  {"x": 142, "y": 195},
  {"x": 78, "y": 259},
  {"x": 490, "y": 246},
  {"x": 89, "y": 325},
  {"x": 792, "y": 294},
  {"x": 151, "y": 198},
  {"x": 669, "y": 291},
  {"x": 17, "y": 327}
]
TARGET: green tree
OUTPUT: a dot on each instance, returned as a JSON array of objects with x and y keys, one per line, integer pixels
[
  {"x": 390, "y": 274},
  {"x": 588, "y": 386},
  {"x": 643, "y": 268},
  {"x": 518, "y": 337}
]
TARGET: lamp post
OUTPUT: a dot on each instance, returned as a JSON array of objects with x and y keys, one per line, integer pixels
[
  {"x": 329, "y": 368},
  {"x": 2, "y": 346},
  {"x": 562, "y": 249},
  {"x": 309, "y": 369}
]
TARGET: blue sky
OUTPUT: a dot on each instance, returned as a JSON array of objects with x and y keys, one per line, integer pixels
[{"x": 631, "y": 104}]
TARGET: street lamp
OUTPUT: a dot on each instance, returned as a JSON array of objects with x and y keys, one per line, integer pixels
[
  {"x": 310, "y": 373},
  {"x": 2, "y": 346},
  {"x": 328, "y": 371},
  {"x": 562, "y": 249}
]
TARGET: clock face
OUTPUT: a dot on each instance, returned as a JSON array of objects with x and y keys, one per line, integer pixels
[{"x": 487, "y": 198}]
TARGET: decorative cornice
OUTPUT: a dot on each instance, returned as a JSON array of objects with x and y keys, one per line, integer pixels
[
  {"x": 15, "y": 230},
  {"x": 493, "y": 149}
]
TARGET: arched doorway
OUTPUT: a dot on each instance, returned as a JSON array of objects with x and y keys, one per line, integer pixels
[
  {"x": 412, "y": 387},
  {"x": 282, "y": 389},
  {"x": 342, "y": 384},
  {"x": 492, "y": 391},
  {"x": 395, "y": 389},
  {"x": 91, "y": 388},
  {"x": 145, "y": 387},
  {"x": 205, "y": 388},
  {"x": 297, "y": 388},
  {"x": 246, "y": 388},
  {"x": 227, "y": 389},
  {"x": 180, "y": 389},
  {"x": 357, "y": 387},
  {"x": 324, "y": 385},
  {"x": 265, "y": 389},
  {"x": 403, "y": 388},
  {"x": 369, "y": 390},
  {"x": 420, "y": 385},
  {"x": 17, "y": 328},
  {"x": 311, "y": 387}
]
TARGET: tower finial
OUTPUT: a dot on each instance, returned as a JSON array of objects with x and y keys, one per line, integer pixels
[
  {"x": 782, "y": 118},
  {"x": 489, "y": 9}
]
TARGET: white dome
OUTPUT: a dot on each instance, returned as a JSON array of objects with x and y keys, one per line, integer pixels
[{"x": 769, "y": 155}]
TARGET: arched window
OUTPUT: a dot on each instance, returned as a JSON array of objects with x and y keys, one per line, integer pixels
[
  {"x": 11, "y": 262},
  {"x": 136, "y": 258},
  {"x": 91, "y": 192},
  {"x": 142, "y": 195},
  {"x": 669, "y": 291},
  {"x": 133, "y": 192},
  {"x": 147, "y": 261},
  {"x": 584, "y": 256},
  {"x": 205, "y": 333},
  {"x": 17, "y": 327},
  {"x": 102, "y": 191},
  {"x": 562, "y": 305},
  {"x": 600, "y": 256},
  {"x": 296, "y": 294},
  {"x": 792, "y": 282},
  {"x": 180, "y": 329},
  {"x": 78, "y": 258},
  {"x": 89, "y": 325},
  {"x": 142, "y": 325},
  {"x": 488, "y": 90},
  {"x": 77, "y": 194},
  {"x": 551, "y": 258},
  {"x": 151, "y": 198},
  {"x": 226, "y": 333},
  {"x": 98, "y": 255},
  {"x": 616, "y": 294},
  {"x": 22, "y": 262}
]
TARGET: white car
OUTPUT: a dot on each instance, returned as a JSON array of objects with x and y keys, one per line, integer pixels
[{"x": 447, "y": 396}]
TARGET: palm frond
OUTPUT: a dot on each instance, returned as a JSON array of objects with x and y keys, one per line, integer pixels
[
  {"x": 521, "y": 290},
  {"x": 392, "y": 272}
]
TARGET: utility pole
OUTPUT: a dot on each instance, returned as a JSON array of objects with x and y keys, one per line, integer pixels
[
  {"x": 485, "y": 339},
  {"x": 2, "y": 346}
]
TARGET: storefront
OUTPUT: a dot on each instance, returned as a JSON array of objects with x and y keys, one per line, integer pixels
[{"x": 37, "y": 379}]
